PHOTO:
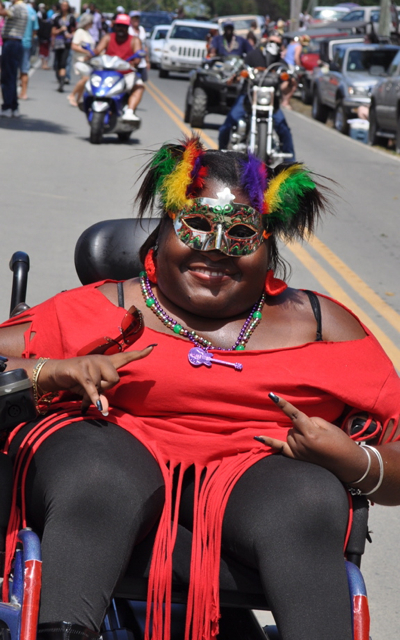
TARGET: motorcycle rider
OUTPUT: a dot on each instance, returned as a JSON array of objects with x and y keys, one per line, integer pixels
[
  {"x": 229, "y": 44},
  {"x": 261, "y": 57},
  {"x": 121, "y": 44}
]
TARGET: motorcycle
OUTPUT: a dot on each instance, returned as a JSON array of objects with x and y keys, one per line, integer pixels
[
  {"x": 106, "y": 97},
  {"x": 255, "y": 132}
]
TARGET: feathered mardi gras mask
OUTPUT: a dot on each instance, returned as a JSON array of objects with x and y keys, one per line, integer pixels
[{"x": 284, "y": 200}]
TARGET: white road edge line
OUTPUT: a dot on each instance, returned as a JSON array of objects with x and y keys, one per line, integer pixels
[
  {"x": 37, "y": 65},
  {"x": 336, "y": 133}
]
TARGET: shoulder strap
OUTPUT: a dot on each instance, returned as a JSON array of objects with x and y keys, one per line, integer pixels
[
  {"x": 120, "y": 289},
  {"x": 316, "y": 307}
]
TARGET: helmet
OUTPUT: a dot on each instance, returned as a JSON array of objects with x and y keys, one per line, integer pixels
[{"x": 122, "y": 18}]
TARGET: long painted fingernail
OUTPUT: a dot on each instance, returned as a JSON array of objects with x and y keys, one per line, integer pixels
[
  {"x": 259, "y": 438},
  {"x": 274, "y": 397},
  {"x": 105, "y": 413},
  {"x": 152, "y": 345},
  {"x": 99, "y": 406}
]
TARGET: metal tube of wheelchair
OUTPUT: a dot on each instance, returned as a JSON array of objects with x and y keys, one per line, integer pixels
[
  {"x": 19, "y": 265},
  {"x": 32, "y": 558}
]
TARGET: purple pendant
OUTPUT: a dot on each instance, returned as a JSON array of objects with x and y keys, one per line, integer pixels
[{"x": 197, "y": 357}]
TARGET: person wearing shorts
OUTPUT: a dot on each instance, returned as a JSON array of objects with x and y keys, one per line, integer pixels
[
  {"x": 81, "y": 55},
  {"x": 32, "y": 27}
]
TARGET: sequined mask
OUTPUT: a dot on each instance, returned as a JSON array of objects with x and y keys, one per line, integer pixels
[{"x": 211, "y": 224}]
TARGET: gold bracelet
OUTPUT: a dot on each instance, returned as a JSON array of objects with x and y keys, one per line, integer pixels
[{"x": 35, "y": 386}]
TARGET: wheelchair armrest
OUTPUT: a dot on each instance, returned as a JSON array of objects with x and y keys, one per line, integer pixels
[{"x": 359, "y": 530}]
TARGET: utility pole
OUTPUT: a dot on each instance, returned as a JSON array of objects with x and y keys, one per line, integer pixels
[
  {"x": 295, "y": 10},
  {"x": 385, "y": 19}
]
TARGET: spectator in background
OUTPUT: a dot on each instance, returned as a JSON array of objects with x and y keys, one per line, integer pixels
[
  {"x": 44, "y": 35},
  {"x": 80, "y": 56},
  {"x": 251, "y": 38},
  {"x": 97, "y": 25},
  {"x": 13, "y": 32},
  {"x": 119, "y": 9},
  {"x": 1, "y": 30},
  {"x": 31, "y": 29},
  {"x": 137, "y": 30},
  {"x": 280, "y": 27},
  {"x": 268, "y": 27},
  {"x": 64, "y": 25},
  {"x": 229, "y": 44},
  {"x": 292, "y": 56},
  {"x": 211, "y": 34}
]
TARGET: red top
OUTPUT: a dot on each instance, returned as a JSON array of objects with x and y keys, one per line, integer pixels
[
  {"x": 208, "y": 416},
  {"x": 123, "y": 50}
]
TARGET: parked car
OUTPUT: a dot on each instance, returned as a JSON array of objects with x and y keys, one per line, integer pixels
[
  {"x": 149, "y": 19},
  {"x": 242, "y": 23},
  {"x": 368, "y": 16},
  {"x": 311, "y": 55},
  {"x": 322, "y": 15},
  {"x": 347, "y": 82},
  {"x": 185, "y": 46},
  {"x": 320, "y": 50},
  {"x": 384, "y": 113},
  {"x": 155, "y": 44}
]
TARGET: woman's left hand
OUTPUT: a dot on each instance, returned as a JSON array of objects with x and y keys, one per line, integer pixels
[{"x": 320, "y": 442}]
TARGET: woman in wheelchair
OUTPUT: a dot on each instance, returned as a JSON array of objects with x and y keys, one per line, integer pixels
[{"x": 232, "y": 413}]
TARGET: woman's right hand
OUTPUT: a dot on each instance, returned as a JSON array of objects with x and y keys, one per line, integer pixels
[{"x": 87, "y": 376}]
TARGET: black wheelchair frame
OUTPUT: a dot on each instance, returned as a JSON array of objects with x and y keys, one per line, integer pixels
[{"x": 109, "y": 250}]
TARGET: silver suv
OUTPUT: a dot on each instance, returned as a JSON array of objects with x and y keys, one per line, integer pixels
[{"x": 346, "y": 83}]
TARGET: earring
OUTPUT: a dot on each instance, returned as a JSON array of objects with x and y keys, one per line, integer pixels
[
  {"x": 274, "y": 286},
  {"x": 150, "y": 265}
]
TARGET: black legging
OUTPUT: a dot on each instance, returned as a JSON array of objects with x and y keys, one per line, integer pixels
[{"x": 94, "y": 491}]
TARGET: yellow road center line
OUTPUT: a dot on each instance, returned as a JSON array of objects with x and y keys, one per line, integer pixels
[
  {"x": 336, "y": 291},
  {"x": 323, "y": 277},
  {"x": 170, "y": 113},
  {"x": 180, "y": 113},
  {"x": 357, "y": 283}
]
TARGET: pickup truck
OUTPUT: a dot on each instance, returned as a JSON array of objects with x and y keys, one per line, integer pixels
[{"x": 346, "y": 83}]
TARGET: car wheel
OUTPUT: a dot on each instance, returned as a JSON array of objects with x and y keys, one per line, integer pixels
[
  {"x": 319, "y": 111},
  {"x": 398, "y": 135},
  {"x": 163, "y": 73},
  {"x": 373, "y": 127},
  {"x": 199, "y": 108},
  {"x": 340, "y": 120},
  {"x": 306, "y": 96}
]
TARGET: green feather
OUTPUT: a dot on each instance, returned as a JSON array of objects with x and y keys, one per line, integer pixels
[
  {"x": 290, "y": 193},
  {"x": 163, "y": 164}
]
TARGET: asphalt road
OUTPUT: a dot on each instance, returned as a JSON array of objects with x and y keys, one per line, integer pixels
[{"x": 55, "y": 184}]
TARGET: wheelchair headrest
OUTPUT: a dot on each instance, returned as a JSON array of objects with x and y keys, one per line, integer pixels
[{"x": 110, "y": 249}]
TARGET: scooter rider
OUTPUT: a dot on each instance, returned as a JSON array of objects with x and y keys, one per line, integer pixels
[
  {"x": 121, "y": 44},
  {"x": 261, "y": 57}
]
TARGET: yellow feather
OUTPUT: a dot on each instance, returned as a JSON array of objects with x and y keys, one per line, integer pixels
[
  {"x": 176, "y": 184},
  {"x": 271, "y": 195}
]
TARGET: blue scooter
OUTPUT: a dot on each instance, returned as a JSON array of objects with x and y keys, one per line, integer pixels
[{"x": 106, "y": 96}]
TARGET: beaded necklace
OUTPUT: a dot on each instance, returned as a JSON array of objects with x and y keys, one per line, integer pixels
[{"x": 199, "y": 355}]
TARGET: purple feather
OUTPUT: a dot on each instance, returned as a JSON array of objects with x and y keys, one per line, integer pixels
[
  {"x": 196, "y": 168},
  {"x": 254, "y": 181}
]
